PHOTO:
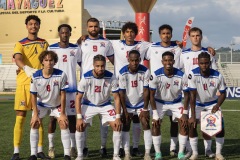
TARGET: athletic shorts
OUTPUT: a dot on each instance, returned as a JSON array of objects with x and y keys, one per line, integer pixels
[
  {"x": 134, "y": 111},
  {"x": 22, "y": 98},
  {"x": 198, "y": 110},
  {"x": 176, "y": 109},
  {"x": 107, "y": 113},
  {"x": 44, "y": 111}
]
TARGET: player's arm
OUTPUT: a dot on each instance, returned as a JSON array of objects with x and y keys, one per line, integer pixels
[
  {"x": 35, "y": 121},
  {"x": 78, "y": 105},
  {"x": 122, "y": 94},
  {"x": 145, "y": 112},
  {"x": 193, "y": 94},
  {"x": 81, "y": 39},
  {"x": 111, "y": 59},
  {"x": 63, "y": 116},
  {"x": 184, "y": 117},
  {"x": 118, "y": 110}
]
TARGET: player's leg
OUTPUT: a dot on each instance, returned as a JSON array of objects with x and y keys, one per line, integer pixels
[
  {"x": 104, "y": 133},
  {"x": 51, "y": 133},
  {"x": 174, "y": 135},
  {"x": 125, "y": 134},
  {"x": 156, "y": 131},
  {"x": 21, "y": 106},
  {"x": 220, "y": 142},
  {"x": 208, "y": 145},
  {"x": 136, "y": 134},
  {"x": 147, "y": 135}
]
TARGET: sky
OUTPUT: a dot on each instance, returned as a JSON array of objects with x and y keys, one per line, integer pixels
[{"x": 218, "y": 19}]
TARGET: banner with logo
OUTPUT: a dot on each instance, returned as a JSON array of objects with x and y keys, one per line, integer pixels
[
  {"x": 233, "y": 92},
  {"x": 211, "y": 124}
]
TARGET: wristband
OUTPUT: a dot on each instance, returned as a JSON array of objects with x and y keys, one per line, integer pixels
[
  {"x": 118, "y": 115},
  {"x": 155, "y": 114},
  {"x": 79, "y": 116},
  {"x": 185, "y": 111}
]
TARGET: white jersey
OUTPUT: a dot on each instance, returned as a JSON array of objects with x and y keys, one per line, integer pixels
[
  {"x": 48, "y": 89},
  {"x": 168, "y": 89},
  {"x": 91, "y": 48},
  {"x": 134, "y": 84},
  {"x": 206, "y": 87},
  {"x": 155, "y": 51},
  {"x": 97, "y": 91},
  {"x": 67, "y": 62},
  {"x": 121, "y": 51},
  {"x": 189, "y": 60}
]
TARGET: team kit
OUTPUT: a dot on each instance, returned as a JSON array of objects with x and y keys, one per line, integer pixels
[{"x": 47, "y": 85}]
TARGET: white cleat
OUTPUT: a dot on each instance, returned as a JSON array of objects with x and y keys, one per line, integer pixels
[
  {"x": 116, "y": 157},
  {"x": 188, "y": 154},
  {"x": 194, "y": 157},
  {"x": 127, "y": 157},
  {"x": 209, "y": 154},
  {"x": 79, "y": 158},
  {"x": 147, "y": 157},
  {"x": 219, "y": 157},
  {"x": 51, "y": 152}
]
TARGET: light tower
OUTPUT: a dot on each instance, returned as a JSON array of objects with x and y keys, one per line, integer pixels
[{"x": 142, "y": 9}]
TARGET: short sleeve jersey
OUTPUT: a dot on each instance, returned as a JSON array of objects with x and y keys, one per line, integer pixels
[
  {"x": 155, "y": 51},
  {"x": 189, "y": 60},
  {"x": 67, "y": 62},
  {"x": 91, "y": 48},
  {"x": 48, "y": 89},
  {"x": 121, "y": 50},
  {"x": 97, "y": 90},
  {"x": 133, "y": 85},
  {"x": 30, "y": 51},
  {"x": 206, "y": 87},
  {"x": 168, "y": 89}
]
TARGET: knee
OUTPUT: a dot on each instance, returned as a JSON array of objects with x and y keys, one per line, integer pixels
[
  {"x": 156, "y": 130},
  {"x": 221, "y": 134},
  {"x": 62, "y": 125},
  {"x": 145, "y": 124}
]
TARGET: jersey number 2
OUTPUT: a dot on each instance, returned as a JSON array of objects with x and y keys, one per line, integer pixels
[
  {"x": 97, "y": 88},
  {"x": 64, "y": 58}
]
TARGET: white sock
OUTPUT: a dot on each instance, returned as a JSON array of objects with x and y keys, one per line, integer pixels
[
  {"x": 50, "y": 139},
  {"x": 182, "y": 143},
  {"x": 34, "y": 141},
  {"x": 16, "y": 150},
  {"x": 188, "y": 146},
  {"x": 65, "y": 136},
  {"x": 72, "y": 140},
  {"x": 136, "y": 133},
  {"x": 194, "y": 145},
  {"x": 104, "y": 133},
  {"x": 219, "y": 145},
  {"x": 40, "y": 149},
  {"x": 85, "y": 138},
  {"x": 116, "y": 142},
  {"x": 126, "y": 142},
  {"x": 157, "y": 143},
  {"x": 207, "y": 144},
  {"x": 173, "y": 143},
  {"x": 147, "y": 140},
  {"x": 80, "y": 136}
]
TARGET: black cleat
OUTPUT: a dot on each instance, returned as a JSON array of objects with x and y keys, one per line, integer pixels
[
  {"x": 85, "y": 152},
  {"x": 103, "y": 153},
  {"x": 121, "y": 152},
  {"x": 136, "y": 153},
  {"x": 32, "y": 157},
  {"x": 66, "y": 157},
  {"x": 15, "y": 156},
  {"x": 41, "y": 155}
]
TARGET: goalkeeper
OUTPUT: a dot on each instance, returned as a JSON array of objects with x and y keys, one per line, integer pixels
[{"x": 26, "y": 53}]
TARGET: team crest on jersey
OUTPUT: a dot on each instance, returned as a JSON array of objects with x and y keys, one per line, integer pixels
[
  {"x": 140, "y": 78},
  {"x": 55, "y": 83},
  {"x": 42, "y": 44},
  {"x": 212, "y": 84},
  {"x": 211, "y": 121},
  {"x": 176, "y": 83},
  {"x": 72, "y": 53},
  {"x": 22, "y": 103},
  {"x": 102, "y": 44}
]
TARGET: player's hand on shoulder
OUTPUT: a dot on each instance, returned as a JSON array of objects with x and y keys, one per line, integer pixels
[
  {"x": 81, "y": 39},
  {"x": 179, "y": 43},
  {"x": 211, "y": 51}
]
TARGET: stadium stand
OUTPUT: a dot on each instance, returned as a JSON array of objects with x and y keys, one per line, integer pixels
[{"x": 8, "y": 77}]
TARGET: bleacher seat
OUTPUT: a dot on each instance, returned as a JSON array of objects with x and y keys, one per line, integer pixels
[{"x": 8, "y": 77}]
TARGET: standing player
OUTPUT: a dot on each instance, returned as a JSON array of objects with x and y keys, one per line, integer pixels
[
  {"x": 48, "y": 95},
  {"x": 94, "y": 93},
  {"x": 205, "y": 82},
  {"x": 189, "y": 61},
  {"x": 26, "y": 53},
  {"x": 69, "y": 55},
  {"x": 134, "y": 78},
  {"x": 94, "y": 45},
  {"x": 166, "y": 86}
]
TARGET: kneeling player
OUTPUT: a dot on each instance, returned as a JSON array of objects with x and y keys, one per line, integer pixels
[
  {"x": 94, "y": 93},
  {"x": 166, "y": 87},
  {"x": 48, "y": 95},
  {"x": 204, "y": 83},
  {"x": 134, "y": 95}
]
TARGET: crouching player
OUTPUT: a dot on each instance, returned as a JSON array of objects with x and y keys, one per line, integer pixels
[
  {"x": 94, "y": 93},
  {"x": 134, "y": 95},
  {"x": 203, "y": 83},
  {"x": 48, "y": 95},
  {"x": 166, "y": 86}
]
